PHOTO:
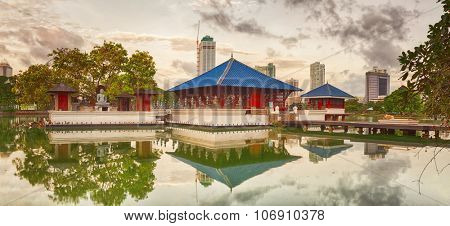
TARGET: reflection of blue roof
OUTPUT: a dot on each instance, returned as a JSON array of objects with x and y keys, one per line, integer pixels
[
  {"x": 326, "y": 152},
  {"x": 234, "y": 73},
  {"x": 327, "y": 90},
  {"x": 235, "y": 175}
]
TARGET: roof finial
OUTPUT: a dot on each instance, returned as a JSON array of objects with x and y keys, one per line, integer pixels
[{"x": 231, "y": 53}]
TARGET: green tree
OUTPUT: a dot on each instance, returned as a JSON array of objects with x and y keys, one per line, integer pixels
[
  {"x": 427, "y": 67},
  {"x": 31, "y": 86},
  {"x": 138, "y": 73},
  {"x": 107, "y": 62},
  {"x": 72, "y": 67},
  {"x": 7, "y": 96},
  {"x": 352, "y": 105},
  {"x": 403, "y": 101},
  {"x": 377, "y": 106}
]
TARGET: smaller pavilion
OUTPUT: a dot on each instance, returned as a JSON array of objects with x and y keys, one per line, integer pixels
[
  {"x": 124, "y": 101},
  {"x": 329, "y": 100},
  {"x": 62, "y": 97}
]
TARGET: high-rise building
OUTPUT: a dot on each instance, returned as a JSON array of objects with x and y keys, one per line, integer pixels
[
  {"x": 316, "y": 75},
  {"x": 294, "y": 97},
  {"x": 206, "y": 55},
  {"x": 269, "y": 70},
  {"x": 377, "y": 85},
  {"x": 5, "y": 69}
]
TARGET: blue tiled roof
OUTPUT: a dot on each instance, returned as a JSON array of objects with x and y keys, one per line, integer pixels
[
  {"x": 327, "y": 90},
  {"x": 234, "y": 73}
]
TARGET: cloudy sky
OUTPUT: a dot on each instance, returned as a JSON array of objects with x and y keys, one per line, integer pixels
[{"x": 348, "y": 36}]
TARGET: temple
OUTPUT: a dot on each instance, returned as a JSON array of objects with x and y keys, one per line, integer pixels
[
  {"x": 325, "y": 103},
  {"x": 231, "y": 94}
]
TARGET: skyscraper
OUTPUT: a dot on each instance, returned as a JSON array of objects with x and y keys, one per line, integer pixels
[
  {"x": 206, "y": 55},
  {"x": 377, "y": 85},
  {"x": 294, "y": 97},
  {"x": 317, "y": 75},
  {"x": 269, "y": 70},
  {"x": 5, "y": 69}
]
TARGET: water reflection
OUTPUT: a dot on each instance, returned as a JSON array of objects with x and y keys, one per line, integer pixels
[
  {"x": 321, "y": 149},
  {"x": 191, "y": 166},
  {"x": 105, "y": 172},
  {"x": 231, "y": 165}
]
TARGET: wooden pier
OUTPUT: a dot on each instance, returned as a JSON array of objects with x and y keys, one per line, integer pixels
[{"x": 372, "y": 127}]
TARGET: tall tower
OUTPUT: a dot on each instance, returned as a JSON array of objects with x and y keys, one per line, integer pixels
[
  {"x": 269, "y": 70},
  {"x": 5, "y": 69},
  {"x": 377, "y": 85},
  {"x": 317, "y": 75},
  {"x": 206, "y": 55}
]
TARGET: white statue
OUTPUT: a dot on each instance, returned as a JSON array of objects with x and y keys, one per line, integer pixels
[
  {"x": 295, "y": 109},
  {"x": 101, "y": 98}
]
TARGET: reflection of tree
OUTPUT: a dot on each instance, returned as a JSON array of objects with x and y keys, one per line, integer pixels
[
  {"x": 74, "y": 172},
  {"x": 7, "y": 135}
]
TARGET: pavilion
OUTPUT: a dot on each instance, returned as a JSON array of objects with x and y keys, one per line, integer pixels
[
  {"x": 326, "y": 102},
  {"x": 231, "y": 94}
]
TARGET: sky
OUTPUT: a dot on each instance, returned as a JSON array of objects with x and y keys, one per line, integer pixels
[{"x": 348, "y": 36}]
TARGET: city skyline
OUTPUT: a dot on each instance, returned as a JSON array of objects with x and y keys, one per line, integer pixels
[{"x": 273, "y": 33}]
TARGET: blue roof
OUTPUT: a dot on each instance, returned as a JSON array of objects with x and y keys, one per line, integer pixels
[
  {"x": 327, "y": 90},
  {"x": 234, "y": 73}
]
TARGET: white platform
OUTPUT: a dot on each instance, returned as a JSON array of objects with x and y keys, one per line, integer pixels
[{"x": 105, "y": 117}]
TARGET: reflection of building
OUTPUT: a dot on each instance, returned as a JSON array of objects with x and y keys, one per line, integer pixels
[
  {"x": 5, "y": 69},
  {"x": 204, "y": 179},
  {"x": 375, "y": 151},
  {"x": 377, "y": 84},
  {"x": 206, "y": 55},
  {"x": 269, "y": 70},
  {"x": 245, "y": 156},
  {"x": 220, "y": 139},
  {"x": 316, "y": 75},
  {"x": 324, "y": 148},
  {"x": 98, "y": 136}
]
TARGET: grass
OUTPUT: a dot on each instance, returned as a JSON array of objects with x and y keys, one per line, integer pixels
[{"x": 371, "y": 137}]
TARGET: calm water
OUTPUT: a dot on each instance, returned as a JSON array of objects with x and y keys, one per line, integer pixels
[{"x": 181, "y": 166}]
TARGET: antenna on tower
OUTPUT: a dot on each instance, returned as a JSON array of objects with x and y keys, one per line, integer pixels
[{"x": 198, "y": 49}]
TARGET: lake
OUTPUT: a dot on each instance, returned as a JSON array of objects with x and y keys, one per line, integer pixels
[{"x": 192, "y": 166}]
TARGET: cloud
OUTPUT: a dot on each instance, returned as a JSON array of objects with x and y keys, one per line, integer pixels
[
  {"x": 213, "y": 12},
  {"x": 176, "y": 43},
  {"x": 373, "y": 186},
  {"x": 187, "y": 67},
  {"x": 382, "y": 52},
  {"x": 378, "y": 30},
  {"x": 40, "y": 41}
]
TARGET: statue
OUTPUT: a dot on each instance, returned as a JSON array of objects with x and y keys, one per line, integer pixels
[
  {"x": 102, "y": 104},
  {"x": 101, "y": 98}
]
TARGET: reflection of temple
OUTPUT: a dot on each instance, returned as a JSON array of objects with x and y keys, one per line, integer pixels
[
  {"x": 230, "y": 163},
  {"x": 320, "y": 149},
  {"x": 375, "y": 151},
  {"x": 220, "y": 139}
]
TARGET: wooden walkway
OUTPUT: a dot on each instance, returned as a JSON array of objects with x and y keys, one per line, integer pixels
[{"x": 373, "y": 127}]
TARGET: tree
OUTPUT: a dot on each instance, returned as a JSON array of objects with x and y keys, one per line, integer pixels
[
  {"x": 71, "y": 67},
  {"x": 427, "y": 67},
  {"x": 7, "y": 97},
  {"x": 138, "y": 73},
  {"x": 107, "y": 62},
  {"x": 31, "y": 86},
  {"x": 403, "y": 101},
  {"x": 352, "y": 105}
]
